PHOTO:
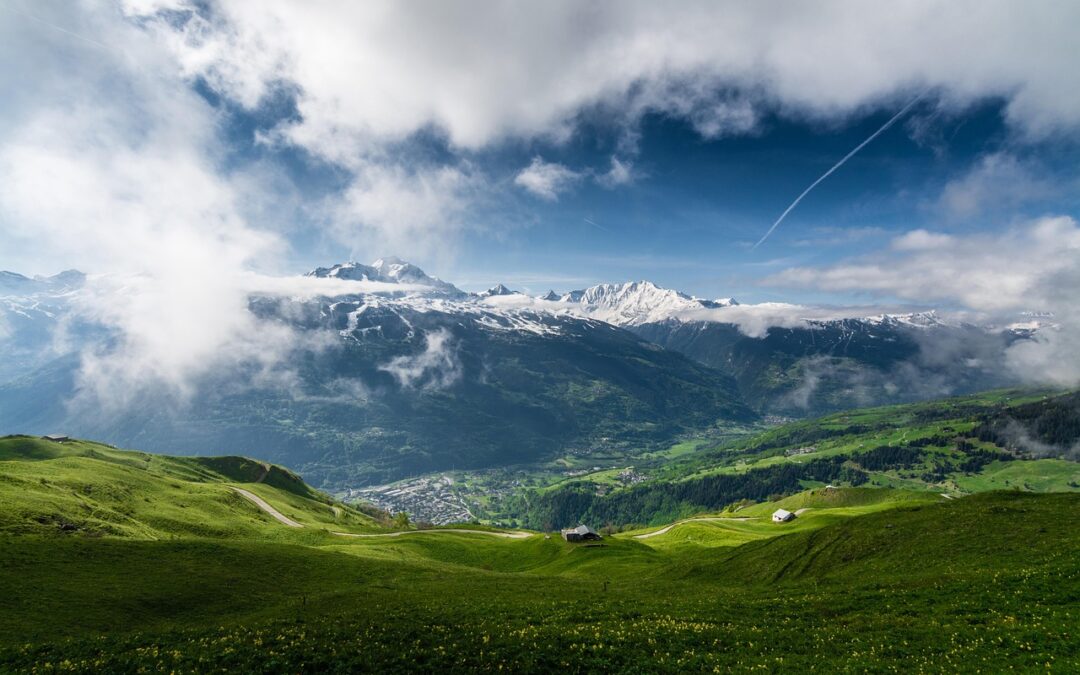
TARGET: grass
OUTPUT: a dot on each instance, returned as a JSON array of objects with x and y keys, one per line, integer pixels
[
  {"x": 753, "y": 523},
  {"x": 935, "y": 447},
  {"x": 1043, "y": 475},
  {"x": 495, "y": 496},
  {"x": 865, "y": 579},
  {"x": 96, "y": 490}
]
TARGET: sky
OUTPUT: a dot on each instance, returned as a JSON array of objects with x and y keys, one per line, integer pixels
[{"x": 554, "y": 145}]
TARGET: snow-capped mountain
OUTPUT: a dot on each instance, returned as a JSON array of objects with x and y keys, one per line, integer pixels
[
  {"x": 408, "y": 368},
  {"x": 30, "y": 310},
  {"x": 388, "y": 270},
  {"x": 635, "y": 303},
  {"x": 786, "y": 358},
  {"x": 16, "y": 284},
  {"x": 377, "y": 386},
  {"x": 497, "y": 290}
]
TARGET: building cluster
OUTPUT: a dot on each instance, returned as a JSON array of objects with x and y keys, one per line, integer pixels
[{"x": 429, "y": 499}]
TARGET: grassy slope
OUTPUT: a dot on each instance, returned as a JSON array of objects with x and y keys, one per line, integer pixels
[
  {"x": 754, "y": 523},
  {"x": 847, "y": 436},
  {"x": 864, "y": 579},
  {"x": 94, "y": 489},
  {"x": 986, "y": 534}
]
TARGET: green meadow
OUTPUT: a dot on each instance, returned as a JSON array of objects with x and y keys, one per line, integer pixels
[{"x": 115, "y": 561}]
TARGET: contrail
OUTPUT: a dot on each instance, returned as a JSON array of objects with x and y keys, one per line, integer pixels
[
  {"x": 836, "y": 166},
  {"x": 597, "y": 226},
  {"x": 55, "y": 27}
]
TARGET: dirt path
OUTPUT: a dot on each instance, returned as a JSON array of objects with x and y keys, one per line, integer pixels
[
  {"x": 261, "y": 503},
  {"x": 285, "y": 520},
  {"x": 665, "y": 530},
  {"x": 504, "y": 535}
]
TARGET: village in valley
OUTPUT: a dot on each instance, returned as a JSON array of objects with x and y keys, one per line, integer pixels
[
  {"x": 427, "y": 500},
  {"x": 459, "y": 497}
]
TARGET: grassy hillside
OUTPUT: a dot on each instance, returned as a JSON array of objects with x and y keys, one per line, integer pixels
[
  {"x": 120, "y": 561},
  {"x": 955, "y": 446},
  {"x": 91, "y": 489}
]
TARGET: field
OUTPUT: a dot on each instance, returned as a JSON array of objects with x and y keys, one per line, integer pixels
[{"x": 863, "y": 579}]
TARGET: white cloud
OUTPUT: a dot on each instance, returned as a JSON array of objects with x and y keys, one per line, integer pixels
[
  {"x": 413, "y": 212},
  {"x": 111, "y": 163},
  {"x": 371, "y": 77},
  {"x": 383, "y": 70},
  {"x": 997, "y": 181},
  {"x": 546, "y": 179},
  {"x": 985, "y": 272},
  {"x": 437, "y": 367},
  {"x": 111, "y": 166},
  {"x": 752, "y": 320},
  {"x": 621, "y": 173},
  {"x": 834, "y": 236},
  {"x": 756, "y": 320},
  {"x": 920, "y": 240},
  {"x": 306, "y": 288},
  {"x": 1034, "y": 267}
]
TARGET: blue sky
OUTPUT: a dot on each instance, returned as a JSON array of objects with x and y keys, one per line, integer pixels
[
  {"x": 548, "y": 146},
  {"x": 695, "y": 205}
]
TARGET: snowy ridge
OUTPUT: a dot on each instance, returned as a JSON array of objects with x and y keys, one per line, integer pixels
[
  {"x": 631, "y": 304},
  {"x": 493, "y": 318},
  {"x": 497, "y": 289},
  {"x": 39, "y": 296},
  {"x": 628, "y": 305},
  {"x": 637, "y": 302},
  {"x": 387, "y": 270}
]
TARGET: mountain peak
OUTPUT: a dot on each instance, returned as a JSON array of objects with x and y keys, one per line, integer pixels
[
  {"x": 389, "y": 260},
  {"x": 68, "y": 279},
  {"x": 497, "y": 289},
  {"x": 634, "y": 302},
  {"x": 387, "y": 270}
]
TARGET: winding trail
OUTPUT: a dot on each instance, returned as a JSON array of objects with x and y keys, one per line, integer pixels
[
  {"x": 504, "y": 535},
  {"x": 285, "y": 520},
  {"x": 261, "y": 503},
  {"x": 665, "y": 530}
]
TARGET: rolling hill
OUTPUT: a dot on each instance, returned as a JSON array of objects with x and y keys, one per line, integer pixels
[
  {"x": 862, "y": 579},
  {"x": 993, "y": 441},
  {"x": 91, "y": 489}
]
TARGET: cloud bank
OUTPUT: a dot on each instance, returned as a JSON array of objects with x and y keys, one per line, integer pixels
[
  {"x": 546, "y": 179},
  {"x": 510, "y": 70},
  {"x": 437, "y": 367},
  {"x": 370, "y": 77},
  {"x": 113, "y": 162},
  {"x": 1032, "y": 267}
]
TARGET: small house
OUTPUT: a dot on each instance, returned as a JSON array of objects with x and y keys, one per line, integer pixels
[
  {"x": 56, "y": 438},
  {"x": 580, "y": 533},
  {"x": 782, "y": 516}
]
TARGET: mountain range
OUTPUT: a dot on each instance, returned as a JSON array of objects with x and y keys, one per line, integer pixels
[{"x": 432, "y": 377}]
